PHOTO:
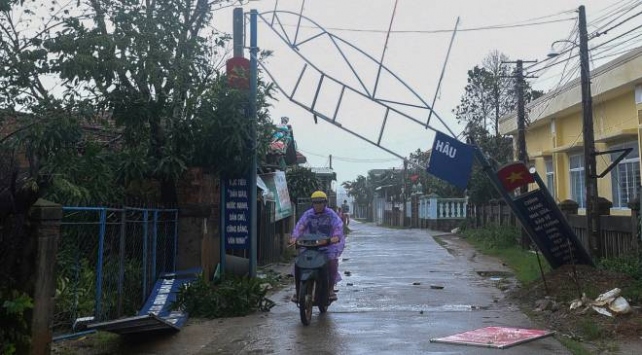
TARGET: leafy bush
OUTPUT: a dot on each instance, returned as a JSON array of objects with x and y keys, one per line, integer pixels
[
  {"x": 630, "y": 264},
  {"x": 493, "y": 236},
  {"x": 14, "y": 333},
  {"x": 233, "y": 297}
]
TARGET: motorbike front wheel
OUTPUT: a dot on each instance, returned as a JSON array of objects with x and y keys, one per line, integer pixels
[
  {"x": 322, "y": 295},
  {"x": 306, "y": 300}
]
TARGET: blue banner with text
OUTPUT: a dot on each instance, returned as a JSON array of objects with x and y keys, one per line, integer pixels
[{"x": 451, "y": 160}]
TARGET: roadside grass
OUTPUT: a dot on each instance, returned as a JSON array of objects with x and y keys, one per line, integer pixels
[
  {"x": 594, "y": 337},
  {"x": 501, "y": 242},
  {"x": 574, "y": 346}
]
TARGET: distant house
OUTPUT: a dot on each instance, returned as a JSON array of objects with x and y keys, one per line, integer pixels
[
  {"x": 326, "y": 176},
  {"x": 554, "y": 139}
]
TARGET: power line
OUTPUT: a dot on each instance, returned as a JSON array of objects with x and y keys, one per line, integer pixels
[
  {"x": 613, "y": 15},
  {"x": 482, "y": 28},
  {"x": 349, "y": 159}
]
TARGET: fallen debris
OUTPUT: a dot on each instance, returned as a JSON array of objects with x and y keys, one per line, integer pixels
[{"x": 611, "y": 300}]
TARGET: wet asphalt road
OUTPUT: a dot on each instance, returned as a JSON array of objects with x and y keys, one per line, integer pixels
[{"x": 386, "y": 306}]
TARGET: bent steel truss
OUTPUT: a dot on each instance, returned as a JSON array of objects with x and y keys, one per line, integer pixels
[{"x": 308, "y": 34}]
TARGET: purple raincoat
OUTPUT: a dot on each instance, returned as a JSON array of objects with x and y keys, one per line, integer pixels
[{"x": 327, "y": 223}]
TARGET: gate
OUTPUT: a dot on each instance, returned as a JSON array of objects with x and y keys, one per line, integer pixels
[{"x": 108, "y": 260}]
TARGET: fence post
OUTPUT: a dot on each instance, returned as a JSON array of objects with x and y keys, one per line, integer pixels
[
  {"x": 634, "y": 205},
  {"x": 45, "y": 219},
  {"x": 432, "y": 214}
]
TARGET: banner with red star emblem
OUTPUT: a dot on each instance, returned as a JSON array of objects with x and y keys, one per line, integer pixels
[{"x": 514, "y": 175}]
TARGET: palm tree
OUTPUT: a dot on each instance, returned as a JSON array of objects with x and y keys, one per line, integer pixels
[{"x": 360, "y": 190}]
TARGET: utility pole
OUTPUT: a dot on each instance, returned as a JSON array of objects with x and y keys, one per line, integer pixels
[
  {"x": 590, "y": 169},
  {"x": 521, "y": 127},
  {"x": 254, "y": 52},
  {"x": 521, "y": 112},
  {"x": 404, "y": 191}
]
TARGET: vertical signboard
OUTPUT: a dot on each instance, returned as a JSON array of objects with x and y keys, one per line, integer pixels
[
  {"x": 236, "y": 226},
  {"x": 541, "y": 217},
  {"x": 277, "y": 184},
  {"x": 552, "y": 234}
]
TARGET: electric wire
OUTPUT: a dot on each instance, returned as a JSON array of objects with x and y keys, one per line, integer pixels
[
  {"x": 349, "y": 159},
  {"x": 612, "y": 16}
]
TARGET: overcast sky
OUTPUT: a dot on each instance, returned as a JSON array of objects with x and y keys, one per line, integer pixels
[{"x": 416, "y": 51}]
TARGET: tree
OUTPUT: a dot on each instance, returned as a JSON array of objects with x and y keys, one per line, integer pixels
[
  {"x": 359, "y": 189},
  {"x": 302, "y": 182},
  {"x": 148, "y": 70},
  {"x": 488, "y": 96}
]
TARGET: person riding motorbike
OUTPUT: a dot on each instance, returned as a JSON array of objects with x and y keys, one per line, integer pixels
[{"x": 320, "y": 219}]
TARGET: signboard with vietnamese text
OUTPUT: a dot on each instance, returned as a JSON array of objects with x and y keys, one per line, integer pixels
[
  {"x": 277, "y": 184},
  {"x": 541, "y": 218},
  {"x": 236, "y": 212},
  {"x": 552, "y": 233},
  {"x": 451, "y": 160}
]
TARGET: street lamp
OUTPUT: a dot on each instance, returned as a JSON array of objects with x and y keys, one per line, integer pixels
[
  {"x": 553, "y": 53},
  {"x": 590, "y": 169}
]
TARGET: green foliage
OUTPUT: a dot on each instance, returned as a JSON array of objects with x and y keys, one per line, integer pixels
[
  {"x": 501, "y": 241},
  {"x": 630, "y": 265},
  {"x": 233, "y": 297},
  {"x": 489, "y": 95},
  {"x": 574, "y": 346},
  {"x": 302, "y": 182},
  {"x": 494, "y": 236},
  {"x": 359, "y": 189},
  {"x": 14, "y": 333},
  {"x": 144, "y": 76},
  {"x": 590, "y": 330},
  {"x": 75, "y": 292}
]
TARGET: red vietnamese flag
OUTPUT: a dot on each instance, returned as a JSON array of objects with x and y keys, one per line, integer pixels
[{"x": 514, "y": 175}]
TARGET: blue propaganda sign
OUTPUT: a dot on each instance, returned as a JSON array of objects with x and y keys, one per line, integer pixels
[
  {"x": 550, "y": 231},
  {"x": 236, "y": 220},
  {"x": 165, "y": 293},
  {"x": 451, "y": 160}
]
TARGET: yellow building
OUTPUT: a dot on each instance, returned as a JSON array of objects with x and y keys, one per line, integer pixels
[{"x": 554, "y": 140}]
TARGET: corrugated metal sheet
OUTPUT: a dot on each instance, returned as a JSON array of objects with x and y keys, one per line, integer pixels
[
  {"x": 138, "y": 324},
  {"x": 157, "y": 313}
]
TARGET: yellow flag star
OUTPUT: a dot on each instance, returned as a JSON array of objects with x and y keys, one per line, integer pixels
[{"x": 515, "y": 176}]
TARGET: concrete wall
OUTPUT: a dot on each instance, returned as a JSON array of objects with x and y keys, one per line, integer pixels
[{"x": 198, "y": 221}]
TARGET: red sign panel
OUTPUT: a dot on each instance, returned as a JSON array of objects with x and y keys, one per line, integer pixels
[
  {"x": 514, "y": 175},
  {"x": 494, "y": 337},
  {"x": 238, "y": 73}
]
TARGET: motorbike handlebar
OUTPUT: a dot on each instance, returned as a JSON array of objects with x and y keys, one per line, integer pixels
[{"x": 313, "y": 242}]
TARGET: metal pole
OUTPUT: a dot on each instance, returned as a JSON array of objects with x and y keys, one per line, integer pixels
[
  {"x": 237, "y": 31},
  {"x": 253, "y": 117},
  {"x": 443, "y": 70},
  {"x": 521, "y": 118},
  {"x": 521, "y": 139},
  {"x": 590, "y": 170}
]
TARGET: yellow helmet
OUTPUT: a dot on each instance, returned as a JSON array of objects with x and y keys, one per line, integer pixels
[{"x": 319, "y": 196}]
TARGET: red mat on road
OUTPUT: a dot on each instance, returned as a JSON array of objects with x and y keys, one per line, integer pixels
[{"x": 494, "y": 337}]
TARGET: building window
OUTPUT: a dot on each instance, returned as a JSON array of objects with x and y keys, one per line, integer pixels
[
  {"x": 625, "y": 177},
  {"x": 550, "y": 176},
  {"x": 577, "y": 179}
]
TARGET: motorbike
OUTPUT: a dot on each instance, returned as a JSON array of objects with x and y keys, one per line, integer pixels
[{"x": 311, "y": 266}]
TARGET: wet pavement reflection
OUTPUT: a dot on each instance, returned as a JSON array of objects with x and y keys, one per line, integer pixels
[{"x": 400, "y": 288}]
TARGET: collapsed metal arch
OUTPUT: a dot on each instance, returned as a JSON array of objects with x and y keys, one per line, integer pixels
[{"x": 278, "y": 26}]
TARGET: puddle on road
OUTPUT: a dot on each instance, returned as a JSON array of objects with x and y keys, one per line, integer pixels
[
  {"x": 423, "y": 309},
  {"x": 502, "y": 280},
  {"x": 495, "y": 274}
]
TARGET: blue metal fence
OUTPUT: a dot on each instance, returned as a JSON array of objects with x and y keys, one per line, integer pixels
[{"x": 109, "y": 259}]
